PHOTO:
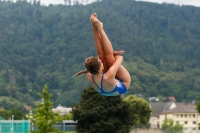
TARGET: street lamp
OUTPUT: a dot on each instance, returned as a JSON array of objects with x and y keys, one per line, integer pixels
[{"x": 12, "y": 124}]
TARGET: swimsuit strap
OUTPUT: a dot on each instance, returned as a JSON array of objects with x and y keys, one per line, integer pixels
[{"x": 101, "y": 82}]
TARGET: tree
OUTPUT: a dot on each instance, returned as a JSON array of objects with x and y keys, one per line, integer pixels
[
  {"x": 18, "y": 115},
  {"x": 39, "y": 41},
  {"x": 169, "y": 127},
  {"x": 198, "y": 108},
  {"x": 141, "y": 109},
  {"x": 69, "y": 116},
  {"x": 44, "y": 118},
  {"x": 96, "y": 113},
  {"x": 4, "y": 114}
]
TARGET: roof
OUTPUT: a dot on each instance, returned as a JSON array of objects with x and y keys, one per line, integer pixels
[
  {"x": 182, "y": 103},
  {"x": 172, "y": 98},
  {"x": 62, "y": 110},
  {"x": 2, "y": 109},
  {"x": 69, "y": 121},
  {"x": 27, "y": 107},
  {"x": 159, "y": 107},
  {"x": 185, "y": 108},
  {"x": 1, "y": 118}
]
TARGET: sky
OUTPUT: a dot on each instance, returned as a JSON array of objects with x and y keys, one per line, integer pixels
[{"x": 177, "y": 2}]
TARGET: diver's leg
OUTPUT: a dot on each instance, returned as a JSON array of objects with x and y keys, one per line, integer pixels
[
  {"x": 106, "y": 44},
  {"x": 99, "y": 47},
  {"x": 122, "y": 73}
]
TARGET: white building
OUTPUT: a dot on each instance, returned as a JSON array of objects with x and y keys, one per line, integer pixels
[
  {"x": 154, "y": 99},
  {"x": 186, "y": 115},
  {"x": 157, "y": 109},
  {"x": 62, "y": 110},
  {"x": 181, "y": 113}
]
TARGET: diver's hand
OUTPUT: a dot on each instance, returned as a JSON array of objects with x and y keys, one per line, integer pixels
[{"x": 118, "y": 52}]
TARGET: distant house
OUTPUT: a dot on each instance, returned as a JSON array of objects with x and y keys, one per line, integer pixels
[
  {"x": 170, "y": 98},
  {"x": 185, "y": 114},
  {"x": 2, "y": 109},
  {"x": 154, "y": 99},
  {"x": 27, "y": 108},
  {"x": 157, "y": 109},
  {"x": 62, "y": 110}
]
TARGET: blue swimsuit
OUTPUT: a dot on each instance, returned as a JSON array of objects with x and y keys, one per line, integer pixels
[{"x": 120, "y": 87}]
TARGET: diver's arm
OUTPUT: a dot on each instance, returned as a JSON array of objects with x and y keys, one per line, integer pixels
[{"x": 115, "y": 67}]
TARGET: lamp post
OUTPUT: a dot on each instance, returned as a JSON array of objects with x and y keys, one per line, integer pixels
[
  {"x": 12, "y": 124},
  {"x": 31, "y": 115}
]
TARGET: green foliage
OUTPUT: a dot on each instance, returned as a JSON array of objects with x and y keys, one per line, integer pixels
[
  {"x": 96, "y": 113},
  {"x": 15, "y": 112},
  {"x": 44, "y": 118},
  {"x": 69, "y": 116},
  {"x": 198, "y": 108},
  {"x": 169, "y": 127},
  {"x": 48, "y": 44},
  {"x": 140, "y": 108},
  {"x": 9, "y": 102}
]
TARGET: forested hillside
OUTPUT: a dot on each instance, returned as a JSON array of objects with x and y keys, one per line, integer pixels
[{"x": 48, "y": 44}]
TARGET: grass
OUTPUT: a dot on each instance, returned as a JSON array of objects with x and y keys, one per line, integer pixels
[{"x": 70, "y": 132}]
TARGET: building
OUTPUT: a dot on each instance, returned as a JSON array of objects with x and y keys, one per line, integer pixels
[
  {"x": 27, "y": 108},
  {"x": 1, "y": 118},
  {"x": 170, "y": 98},
  {"x": 2, "y": 109},
  {"x": 62, "y": 110},
  {"x": 157, "y": 109},
  {"x": 184, "y": 114},
  {"x": 154, "y": 99}
]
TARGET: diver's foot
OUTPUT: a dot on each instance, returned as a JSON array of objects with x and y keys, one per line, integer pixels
[
  {"x": 95, "y": 22},
  {"x": 94, "y": 15}
]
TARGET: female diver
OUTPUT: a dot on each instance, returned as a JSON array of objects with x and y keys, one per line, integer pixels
[{"x": 105, "y": 72}]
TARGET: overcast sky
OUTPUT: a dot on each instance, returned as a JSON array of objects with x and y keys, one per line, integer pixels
[{"x": 179, "y": 2}]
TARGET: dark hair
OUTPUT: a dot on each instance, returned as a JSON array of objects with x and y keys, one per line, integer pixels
[{"x": 92, "y": 65}]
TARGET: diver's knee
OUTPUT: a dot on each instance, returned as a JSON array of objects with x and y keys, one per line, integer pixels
[
  {"x": 127, "y": 84},
  {"x": 102, "y": 57},
  {"x": 110, "y": 59},
  {"x": 128, "y": 81}
]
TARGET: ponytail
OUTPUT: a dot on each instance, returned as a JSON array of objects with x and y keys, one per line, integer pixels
[{"x": 81, "y": 72}]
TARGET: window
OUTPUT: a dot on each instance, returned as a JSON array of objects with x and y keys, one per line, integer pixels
[
  {"x": 177, "y": 116},
  {"x": 185, "y": 115},
  {"x": 194, "y": 128},
  {"x": 186, "y": 122},
  {"x": 185, "y": 128},
  {"x": 177, "y": 122},
  {"x": 181, "y": 115},
  {"x": 194, "y": 122},
  {"x": 194, "y": 116}
]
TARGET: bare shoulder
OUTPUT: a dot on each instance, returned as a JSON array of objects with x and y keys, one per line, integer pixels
[
  {"x": 109, "y": 75},
  {"x": 109, "y": 78},
  {"x": 89, "y": 75}
]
